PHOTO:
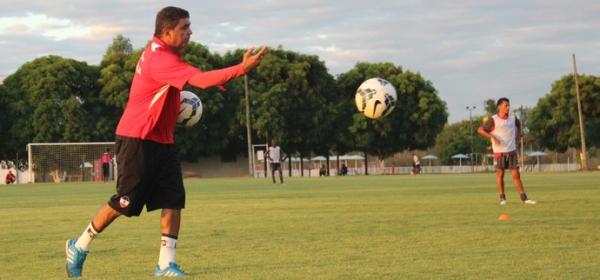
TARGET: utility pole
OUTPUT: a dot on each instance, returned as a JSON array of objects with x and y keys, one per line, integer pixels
[
  {"x": 248, "y": 127},
  {"x": 471, "y": 108},
  {"x": 584, "y": 165}
]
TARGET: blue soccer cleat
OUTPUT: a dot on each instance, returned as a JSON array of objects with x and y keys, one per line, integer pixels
[
  {"x": 173, "y": 270},
  {"x": 75, "y": 258}
]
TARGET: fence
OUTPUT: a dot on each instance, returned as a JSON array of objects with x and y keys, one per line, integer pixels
[{"x": 434, "y": 169}]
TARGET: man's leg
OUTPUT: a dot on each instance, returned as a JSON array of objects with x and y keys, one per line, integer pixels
[
  {"x": 517, "y": 181},
  {"x": 273, "y": 174},
  {"x": 104, "y": 217},
  {"x": 77, "y": 249},
  {"x": 500, "y": 185},
  {"x": 170, "y": 221},
  {"x": 280, "y": 175}
]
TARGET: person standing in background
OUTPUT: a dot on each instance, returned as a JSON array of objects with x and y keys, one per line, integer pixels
[
  {"x": 274, "y": 155},
  {"x": 106, "y": 159}
]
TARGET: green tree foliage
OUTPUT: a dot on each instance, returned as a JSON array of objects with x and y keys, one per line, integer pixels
[
  {"x": 115, "y": 78},
  {"x": 554, "y": 122},
  {"x": 234, "y": 141},
  {"x": 291, "y": 96},
  {"x": 456, "y": 139},
  {"x": 53, "y": 99},
  {"x": 415, "y": 122},
  {"x": 210, "y": 135},
  {"x": 490, "y": 106},
  {"x": 116, "y": 74},
  {"x": 5, "y": 124}
]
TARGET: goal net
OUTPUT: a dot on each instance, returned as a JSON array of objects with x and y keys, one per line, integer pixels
[
  {"x": 259, "y": 161},
  {"x": 67, "y": 162}
]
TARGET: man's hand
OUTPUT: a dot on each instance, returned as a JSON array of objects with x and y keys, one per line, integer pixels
[
  {"x": 252, "y": 60},
  {"x": 495, "y": 139}
]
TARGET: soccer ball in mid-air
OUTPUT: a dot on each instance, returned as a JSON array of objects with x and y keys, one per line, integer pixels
[
  {"x": 190, "y": 109},
  {"x": 375, "y": 98}
]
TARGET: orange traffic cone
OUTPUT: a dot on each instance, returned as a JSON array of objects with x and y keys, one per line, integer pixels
[{"x": 504, "y": 217}]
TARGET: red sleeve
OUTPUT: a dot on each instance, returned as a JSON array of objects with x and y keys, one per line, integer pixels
[
  {"x": 171, "y": 69},
  {"x": 216, "y": 77}
]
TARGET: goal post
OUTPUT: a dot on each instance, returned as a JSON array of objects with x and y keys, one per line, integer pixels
[
  {"x": 259, "y": 168},
  {"x": 69, "y": 162}
]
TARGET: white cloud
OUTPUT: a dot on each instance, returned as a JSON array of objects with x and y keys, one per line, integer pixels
[
  {"x": 330, "y": 48},
  {"x": 50, "y": 27},
  {"x": 222, "y": 47},
  {"x": 231, "y": 26},
  {"x": 239, "y": 28},
  {"x": 471, "y": 50}
]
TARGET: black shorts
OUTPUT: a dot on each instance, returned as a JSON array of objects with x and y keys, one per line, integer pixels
[
  {"x": 508, "y": 160},
  {"x": 149, "y": 173},
  {"x": 275, "y": 166},
  {"x": 105, "y": 170}
]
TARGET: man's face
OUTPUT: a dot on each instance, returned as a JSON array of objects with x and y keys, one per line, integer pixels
[
  {"x": 178, "y": 37},
  {"x": 504, "y": 108}
]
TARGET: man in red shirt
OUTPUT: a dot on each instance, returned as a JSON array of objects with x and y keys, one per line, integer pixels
[
  {"x": 149, "y": 172},
  {"x": 106, "y": 165},
  {"x": 10, "y": 178}
]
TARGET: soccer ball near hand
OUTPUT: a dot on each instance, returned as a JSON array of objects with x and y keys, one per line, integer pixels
[{"x": 190, "y": 109}]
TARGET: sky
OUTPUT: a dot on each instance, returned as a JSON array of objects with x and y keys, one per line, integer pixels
[{"x": 470, "y": 50}]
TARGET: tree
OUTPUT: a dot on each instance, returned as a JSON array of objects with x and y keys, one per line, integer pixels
[
  {"x": 115, "y": 78},
  {"x": 554, "y": 122},
  {"x": 415, "y": 122},
  {"x": 210, "y": 135},
  {"x": 291, "y": 97},
  {"x": 5, "y": 124},
  {"x": 490, "y": 106},
  {"x": 53, "y": 99},
  {"x": 456, "y": 139},
  {"x": 116, "y": 74}
]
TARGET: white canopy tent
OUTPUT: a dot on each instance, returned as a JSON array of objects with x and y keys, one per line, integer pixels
[
  {"x": 460, "y": 157},
  {"x": 537, "y": 155},
  {"x": 429, "y": 158}
]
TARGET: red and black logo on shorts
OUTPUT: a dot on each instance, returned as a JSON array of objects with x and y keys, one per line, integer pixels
[{"x": 124, "y": 201}]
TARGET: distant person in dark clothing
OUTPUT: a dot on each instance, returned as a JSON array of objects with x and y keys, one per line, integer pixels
[
  {"x": 322, "y": 171},
  {"x": 416, "y": 165},
  {"x": 106, "y": 159},
  {"x": 344, "y": 170}
]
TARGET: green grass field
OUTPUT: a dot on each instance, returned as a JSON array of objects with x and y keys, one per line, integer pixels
[{"x": 375, "y": 227}]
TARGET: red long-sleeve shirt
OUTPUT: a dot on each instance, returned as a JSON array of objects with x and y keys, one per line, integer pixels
[{"x": 153, "y": 105}]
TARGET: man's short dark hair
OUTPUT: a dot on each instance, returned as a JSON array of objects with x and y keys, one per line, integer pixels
[
  {"x": 167, "y": 18},
  {"x": 503, "y": 99}
]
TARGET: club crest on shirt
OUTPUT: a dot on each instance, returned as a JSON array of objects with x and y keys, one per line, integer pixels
[{"x": 124, "y": 201}]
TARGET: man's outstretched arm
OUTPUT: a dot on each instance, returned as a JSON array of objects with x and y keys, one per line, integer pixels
[{"x": 221, "y": 76}]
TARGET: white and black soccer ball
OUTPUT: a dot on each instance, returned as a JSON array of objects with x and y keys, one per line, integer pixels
[
  {"x": 375, "y": 98},
  {"x": 190, "y": 109}
]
